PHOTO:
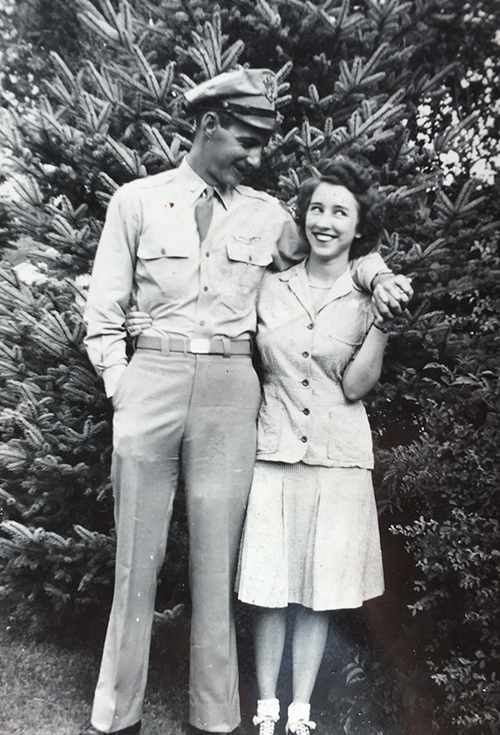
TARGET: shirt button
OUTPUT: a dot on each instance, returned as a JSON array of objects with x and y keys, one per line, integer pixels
[
  {"x": 205, "y": 288},
  {"x": 305, "y": 354},
  {"x": 202, "y": 323},
  {"x": 310, "y": 326},
  {"x": 250, "y": 259},
  {"x": 163, "y": 251},
  {"x": 207, "y": 255},
  {"x": 305, "y": 381},
  {"x": 303, "y": 439},
  {"x": 306, "y": 411}
]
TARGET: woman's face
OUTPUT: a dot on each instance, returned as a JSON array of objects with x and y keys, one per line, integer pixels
[{"x": 331, "y": 222}]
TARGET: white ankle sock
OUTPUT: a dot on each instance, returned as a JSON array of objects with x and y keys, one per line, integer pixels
[
  {"x": 269, "y": 708},
  {"x": 299, "y": 712}
]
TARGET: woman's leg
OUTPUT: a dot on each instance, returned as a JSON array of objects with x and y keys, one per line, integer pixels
[
  {"x": 269, "y": 641},
  {"x": 309, "y": 640}
]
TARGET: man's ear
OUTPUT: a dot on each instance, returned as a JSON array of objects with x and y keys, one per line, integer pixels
[{"x": 209, "y": 123}]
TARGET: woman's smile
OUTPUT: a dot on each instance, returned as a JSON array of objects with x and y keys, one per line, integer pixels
[{"x": 323, "y": 236}]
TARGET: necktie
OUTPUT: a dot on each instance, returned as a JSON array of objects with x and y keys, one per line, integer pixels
[{"x": 204, "y": 210}]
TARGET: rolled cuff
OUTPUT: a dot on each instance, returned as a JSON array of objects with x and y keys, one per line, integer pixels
[{"x": 365, "y": 269}]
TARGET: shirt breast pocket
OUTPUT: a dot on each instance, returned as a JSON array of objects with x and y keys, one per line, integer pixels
[
  {"x": 164, "y": 263},
  {"x": 148, "y": 250},
  {"x": 247, "y": 259}
]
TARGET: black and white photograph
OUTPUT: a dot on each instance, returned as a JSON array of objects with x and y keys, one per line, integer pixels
[{"x": 249, "y": 367}]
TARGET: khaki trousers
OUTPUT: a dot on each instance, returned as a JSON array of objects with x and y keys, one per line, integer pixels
[{"x": 196, "y": 413}]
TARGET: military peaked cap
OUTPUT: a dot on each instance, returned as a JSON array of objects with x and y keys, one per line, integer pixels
[{"x": 247, "y": 94}]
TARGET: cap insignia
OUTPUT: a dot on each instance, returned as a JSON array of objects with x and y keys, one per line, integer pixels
[{"x": 270, "y": 88}]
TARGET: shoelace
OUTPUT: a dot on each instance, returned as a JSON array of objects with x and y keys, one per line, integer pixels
[
  {"x": 302, "y": 727},
  {"x": 267, "y": 725}
]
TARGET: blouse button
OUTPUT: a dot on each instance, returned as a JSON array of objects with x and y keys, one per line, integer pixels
[
  {"x": 205, "y": 288},
  {"x": 303, "y": 439},
  {"x": 305, "y": 354},
  {"x": 310, "y": 326},
  {"x": 305, "y": 382},
  {"x": 163, "y": 251},
  {"x": 250, "y": 258},
  {"x": 306, "y": 411},
  {"x": 207, "y": 255}
]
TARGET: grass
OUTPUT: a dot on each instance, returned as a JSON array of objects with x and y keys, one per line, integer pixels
[
  {"x": 46, "y": 688},
  {"x": 43, "y": 689}
]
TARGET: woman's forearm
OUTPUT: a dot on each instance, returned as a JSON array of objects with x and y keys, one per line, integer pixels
[{"x": 364, "y": 371}]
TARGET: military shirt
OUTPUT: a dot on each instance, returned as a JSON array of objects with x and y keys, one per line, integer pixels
[{"x": 150, "y": 255}]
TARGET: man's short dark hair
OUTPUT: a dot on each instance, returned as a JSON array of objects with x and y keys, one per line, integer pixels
[{"x": 225, "y": 119}]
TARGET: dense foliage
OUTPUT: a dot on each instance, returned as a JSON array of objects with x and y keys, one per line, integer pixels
[{"x": 92, "y": 97}]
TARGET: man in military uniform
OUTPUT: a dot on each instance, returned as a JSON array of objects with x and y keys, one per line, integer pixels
[{"x": 189, "y": 246}]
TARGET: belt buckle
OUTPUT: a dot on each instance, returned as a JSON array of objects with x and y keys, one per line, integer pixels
[{"x": 199, "y": 345}]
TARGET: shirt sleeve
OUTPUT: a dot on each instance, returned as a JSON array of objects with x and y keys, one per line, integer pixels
[
  {"x": 112, "y": 283},
  {"x": 366, "y": 268},
  {"x": 290, "y": 247}
]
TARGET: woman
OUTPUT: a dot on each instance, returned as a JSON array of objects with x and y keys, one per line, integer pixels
[{"x": 311, "y": 533}]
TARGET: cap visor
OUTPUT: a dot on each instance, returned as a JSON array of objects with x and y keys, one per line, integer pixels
[{"x": 256, "y": 121}]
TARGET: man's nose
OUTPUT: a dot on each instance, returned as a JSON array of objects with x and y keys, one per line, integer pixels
[{"x": 254, "y": 157}]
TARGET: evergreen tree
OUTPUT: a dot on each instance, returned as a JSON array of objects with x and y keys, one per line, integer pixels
[{"x": 408, "y": 87}]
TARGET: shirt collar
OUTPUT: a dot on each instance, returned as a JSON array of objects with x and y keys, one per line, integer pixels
[
  {"x": 342, "y": 286},
  {"x": 189, "y": 179}
]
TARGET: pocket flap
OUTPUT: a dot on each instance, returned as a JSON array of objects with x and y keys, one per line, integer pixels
[
  {"x": 169, "y": 249},
  {"x": 245, "y": 252}
]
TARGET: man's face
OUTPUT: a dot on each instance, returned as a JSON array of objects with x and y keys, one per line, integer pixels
[{"x": 228, "y": 153}]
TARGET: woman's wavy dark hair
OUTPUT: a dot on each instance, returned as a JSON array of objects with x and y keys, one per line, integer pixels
[{"x": 344, "y": 172}]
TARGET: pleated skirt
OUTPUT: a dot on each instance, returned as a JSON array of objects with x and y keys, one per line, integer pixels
[{"x": 311, "y": 537}]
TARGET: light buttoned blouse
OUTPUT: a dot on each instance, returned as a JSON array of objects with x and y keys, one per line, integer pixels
[{"x": 304, "y": 415}]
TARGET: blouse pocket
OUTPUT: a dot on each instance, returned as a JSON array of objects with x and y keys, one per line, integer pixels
[
  {"x": 270, "y": 422},
  {"x": 349, "y": 436},
  {"x": 346, "y": 320}
]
